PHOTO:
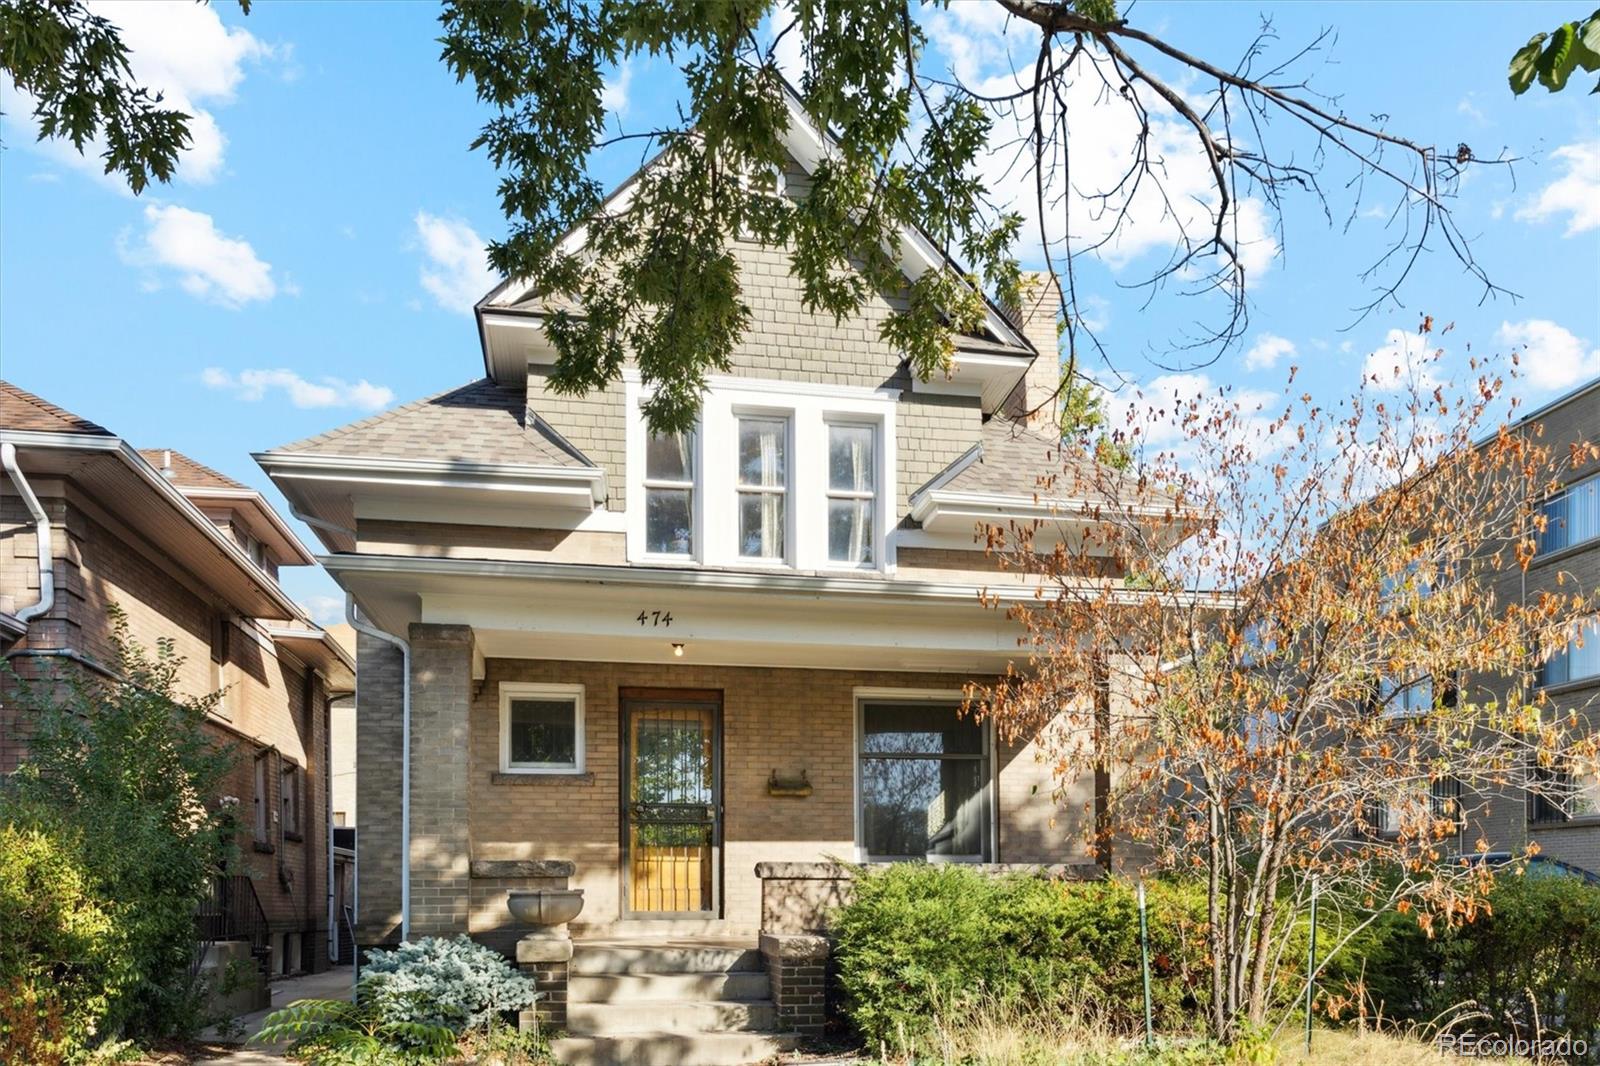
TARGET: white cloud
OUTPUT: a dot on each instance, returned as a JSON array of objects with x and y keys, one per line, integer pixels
[
  {"x": 1103, "y": 128},
  {"x": 176, "y": 48},
  {"x": 458, "y": 274},
  {"x": 324, "y": 610},
  {"x": 213, "y": 267},
  {"x": 1266, "y": 351},
  {"x": 1576, "y": 194},
  {"x": 614, "y": 91},
  {"x": 1549, "y": 356},
  {"x": 1404, "y": 360},
  {"x": 252, "y": 386}
]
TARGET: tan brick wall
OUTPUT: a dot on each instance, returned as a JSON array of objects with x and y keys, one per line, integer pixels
[
  {"x": 100, "y": 563},
  {"x": 379, "y": 671},
  {"x": 788, "y": 720},
  {"x": 441, "y": 679}
]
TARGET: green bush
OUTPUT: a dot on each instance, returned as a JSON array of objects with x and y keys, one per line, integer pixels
[
  {"x": 437, "y": 981},
  {"x": 118, "y": 775},
  {"x": 919, "y": 942},
  {"x": 59, "y": 960},
  {"x": 1535, "y": 948}
]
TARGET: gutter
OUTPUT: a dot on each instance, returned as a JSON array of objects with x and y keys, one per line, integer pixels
[
  {"x": 353, "y": 615},
  {"x": 41, "y": 527}
]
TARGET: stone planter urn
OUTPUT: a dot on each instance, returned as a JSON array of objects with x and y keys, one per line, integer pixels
[{"x": 545, "y": 908}]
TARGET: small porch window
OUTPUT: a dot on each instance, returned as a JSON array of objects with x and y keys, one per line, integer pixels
[
  {"x": 541, "y": 728},
  {"x": 925, "y": 785}
]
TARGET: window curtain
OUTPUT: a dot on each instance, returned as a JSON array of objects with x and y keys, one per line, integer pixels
[
  {"x": 771, "y": 444},
  {"x": 861, "y": 481}
]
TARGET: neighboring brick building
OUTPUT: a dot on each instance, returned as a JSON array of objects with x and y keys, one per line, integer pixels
[{"x": 189, "y": 556}]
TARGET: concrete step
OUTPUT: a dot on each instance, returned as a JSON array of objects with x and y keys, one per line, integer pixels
[
  {"x": 666, "y": 987},
  {"x": 671, "y": 1049},
  {"x": 662, "y": 959},
  {"x": 615, "y": 1019}
]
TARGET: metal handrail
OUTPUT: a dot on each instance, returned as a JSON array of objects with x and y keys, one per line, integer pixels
[{"x": 231, "y": 911}]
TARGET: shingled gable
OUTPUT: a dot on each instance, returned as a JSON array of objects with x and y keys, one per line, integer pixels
[
  {"x": 510, "y": 316},
  {"x": 479, "y": 422}
]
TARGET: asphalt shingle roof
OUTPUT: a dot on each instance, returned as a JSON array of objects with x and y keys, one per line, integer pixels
[
  {"x": 479, "y": 422},
  {"x": 188, "y": 473},
  {"x": 1013, "y": 459},
  {"x": 22, "y": 410}
]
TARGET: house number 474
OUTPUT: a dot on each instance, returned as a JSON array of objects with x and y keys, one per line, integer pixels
[{"x": 655, "y": 619}]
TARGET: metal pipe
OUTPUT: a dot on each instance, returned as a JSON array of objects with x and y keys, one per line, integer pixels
[
  {"x": 41, "y": 529},
  {"x": 354, "y": 617}
]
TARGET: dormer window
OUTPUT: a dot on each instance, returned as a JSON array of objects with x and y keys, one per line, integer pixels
[{"x": 669, "y": 494}]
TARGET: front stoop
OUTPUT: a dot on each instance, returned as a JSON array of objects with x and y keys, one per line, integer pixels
[{"x": 681, "y": 1002}]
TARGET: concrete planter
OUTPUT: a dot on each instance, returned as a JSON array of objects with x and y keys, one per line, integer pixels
[{"x": 545, "y": 906}]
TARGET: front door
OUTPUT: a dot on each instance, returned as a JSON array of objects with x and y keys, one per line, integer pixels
[{"x": 671, "y": 802}]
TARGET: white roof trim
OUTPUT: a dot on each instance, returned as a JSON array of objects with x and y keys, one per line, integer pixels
[
  {"x": 576, "y": 486},
  {"x": 934, "y": 507},
  {"x": 199, "y": 492},
  {"x": 985, "y": 375}
]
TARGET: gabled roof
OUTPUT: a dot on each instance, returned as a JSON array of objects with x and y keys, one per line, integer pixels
[
  {"x": 479, "y": 422},
  {"x": 22, "y": 410},
  {"x": 513, "y": 299},
  {"x": 187, "y": 473}
]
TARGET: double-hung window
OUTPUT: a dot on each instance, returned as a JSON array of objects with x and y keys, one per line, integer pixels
[
  {"x": 851, "y": 493},
  {"x": 1571, "y": 516},
  {"x": 669, "y": 469},
  {"x": 763, "y": 487},
  {"x": 923, "y": 769},
  {"x": 1406, "y": 700}
]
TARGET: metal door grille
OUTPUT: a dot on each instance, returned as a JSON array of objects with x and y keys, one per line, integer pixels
[{"x": 672, "y": 807}]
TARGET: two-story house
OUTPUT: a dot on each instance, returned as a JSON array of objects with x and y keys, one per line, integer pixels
[
  {"x": 88, "y": 522},
  {"x": 666, "y": 667}
]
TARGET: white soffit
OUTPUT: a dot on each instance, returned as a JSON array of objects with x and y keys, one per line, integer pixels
[{"x": 987, "y": 376}]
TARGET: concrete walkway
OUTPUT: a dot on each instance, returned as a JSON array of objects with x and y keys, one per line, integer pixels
[{"x": 337, "y": 983}]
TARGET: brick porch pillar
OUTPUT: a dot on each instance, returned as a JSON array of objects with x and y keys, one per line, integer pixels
[
  {"x": 797, "y": 970},
  {"x": 441, "y": 693}
]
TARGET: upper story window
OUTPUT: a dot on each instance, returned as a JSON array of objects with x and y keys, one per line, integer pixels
[
  {"x": 1578, "y": 661},
  {"x": 777, "y": 474},
  {"x": 1405, "y": 700},
  {"x": 669, "y": 477},
  {"x": 763, "y": 487},
  {"x": 852, "y": 494},
  {"x": 1571, "y": 516}
]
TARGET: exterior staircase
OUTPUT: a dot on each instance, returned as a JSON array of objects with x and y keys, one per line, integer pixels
[{"x": 688, "y": 1002}]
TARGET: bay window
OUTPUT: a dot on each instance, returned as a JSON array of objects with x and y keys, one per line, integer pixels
[
  {"x": 924, "y": 781},
  {"x": 762, "y": 487},
  {"x": 851, "y": 494},
  {"x": 669, "y": 470}
]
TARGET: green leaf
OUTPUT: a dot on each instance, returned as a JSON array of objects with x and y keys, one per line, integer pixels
[
  {"x": 1524, "y": 64},
  {"x": 1586, "y": 50},
  {"x": 1555, "y": 65}
]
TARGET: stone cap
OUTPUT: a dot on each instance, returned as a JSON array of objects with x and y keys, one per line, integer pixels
[
  {"x": 523, "y": 868},
  {"x": 794, "y": 947}
]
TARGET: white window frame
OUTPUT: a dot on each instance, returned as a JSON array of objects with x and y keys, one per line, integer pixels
[
  {"x": 512, "y": 690},
  {"x": 863, "y": 696},
  {"x": 695, "y": 485},
  {"x": 1587, "y": 485},
  {"x": 876, "y": 495},
  {"x": 1586, "y": 631},
  {"x": 765, "y": 414},
  {"x": 809, "y": 407}
]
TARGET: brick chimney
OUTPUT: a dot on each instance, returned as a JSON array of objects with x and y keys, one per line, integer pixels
[{"x": 1037, "y": 317}]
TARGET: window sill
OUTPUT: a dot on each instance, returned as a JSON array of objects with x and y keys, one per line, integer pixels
[
  {"x": 564, "y": 777},
  {"x": 1541, "y": 561},
  {"x": 1582, "y": 821},
  {"x": 298, "y": 838},
  {"x": 1572, "y": 686},
  {"x": 262, "y": 846}
]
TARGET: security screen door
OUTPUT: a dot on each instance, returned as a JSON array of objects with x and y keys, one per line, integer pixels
[{"x": 672, "y": 803}]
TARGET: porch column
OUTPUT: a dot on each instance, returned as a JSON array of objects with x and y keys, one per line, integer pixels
[{"x": 441, "y": 693}]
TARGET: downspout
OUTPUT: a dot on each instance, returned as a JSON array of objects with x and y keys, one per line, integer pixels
[
  {"x": 41, "y": 529},
  {"x": 332, "y": 946},
  {"x": 354, "y": 617}
]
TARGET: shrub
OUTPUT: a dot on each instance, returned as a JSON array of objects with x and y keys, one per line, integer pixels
[
  {"x": 332, "y": 1032},
  {"x": 1536, "y": 948},
  {"x": 118, "y": 773},
  {"x": 920, "y": 942},
  {"x": 59, "y": 963},
  {"x": 438, "y": 981}
]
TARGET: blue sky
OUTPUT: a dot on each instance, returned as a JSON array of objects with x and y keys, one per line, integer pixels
[{"x": 318, "y": 255}]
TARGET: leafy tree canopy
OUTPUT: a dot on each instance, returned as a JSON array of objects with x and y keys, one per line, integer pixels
[{"x": 1552, "y": 57}]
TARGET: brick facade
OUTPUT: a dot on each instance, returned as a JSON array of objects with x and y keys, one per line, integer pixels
[{"x": 274, "y": 707}]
